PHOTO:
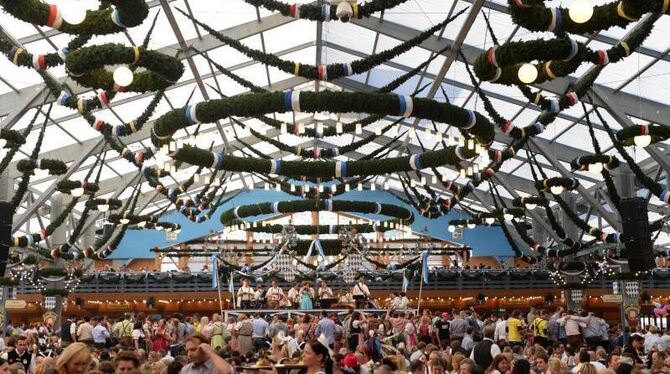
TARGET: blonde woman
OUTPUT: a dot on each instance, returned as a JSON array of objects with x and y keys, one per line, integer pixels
[
  {"x": 556, "y": 366},
  {"x": 216, "y": 331},
  {"x": 75, "y": 359},
  {"x": 588, "y": 369},
  {"x": 204, "y": 327}
]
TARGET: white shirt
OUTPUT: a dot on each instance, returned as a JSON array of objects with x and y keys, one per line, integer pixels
[
  {"x": 244, "y": 293},
  {"x": 325, "y": 293},
  {"x": 138, "y": 334},
  {"x": 404, "y": 302},
  {"x": 294, "y": 295},
  {"x": 500, "y": 331},
  {"x": 395, "y": 304},
  {"x": 597, "y": 364},
  {"x": 361, "y": 290},
  {"x": 650, "y": 341},
  {"x": 275, "y": 293}
]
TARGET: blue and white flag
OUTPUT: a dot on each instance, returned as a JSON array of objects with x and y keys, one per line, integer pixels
[
  {"x": 424, "y": 266},
  {"x": 215, "y": 271}
]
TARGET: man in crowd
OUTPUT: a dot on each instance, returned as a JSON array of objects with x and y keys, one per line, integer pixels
[
  {"x": 126, "y": 362},
  {"x": 326, "y": 326},
  {"x": 486, "y": 350},
  {"x": 68, "y": 331},
  {"x": 259, "y": 330},
  {"x": 203, "y": 359},
  {"x": 99, "y": 334},
  {"x": 85, "y": 331},
  {"x": 20, "y": 354}
]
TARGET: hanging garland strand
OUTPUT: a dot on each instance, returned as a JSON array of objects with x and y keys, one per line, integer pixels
[
  {"x": 21, "y": 57},
  {"x": 611, "y": 188},
  {"x": 21, "y": 138},
  {"x": 515, "y": 248},
  {"x": 657, "y": 189},
  {"x": 107, "y": 20},
  {"x": 329, "y": 131},
  {"x": 325, "y": 72},
  {"x": 325, "y": 12},
  {"x": 25, "y": 177}
]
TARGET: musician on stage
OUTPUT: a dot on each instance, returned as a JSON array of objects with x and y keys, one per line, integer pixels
[
  {"x": 361, "y": 293},
  {"x": 275, "y": 295},
  {"x": 245, "y": 294},
  {"x": 326, "y": 295},
  {"x": 294, "y": 294}
]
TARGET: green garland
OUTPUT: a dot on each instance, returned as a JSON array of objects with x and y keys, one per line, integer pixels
[
  {"x": 55, "y": 167},
  {"x": 331, "y": 71},
  {"x": 535, "y": 16},
  {"x": 523, "y": 201},
  {"x": 658, "y": 133},
  {"x": 232, "y": 216},
  {"x": 66, "y": 186},
  {"x": 326, "y": 12},
  {"x": 127, "y": 13},
  {"x": 114, "y": 204},
  {"x": 58, "y": 272},
  {"x": 381, "y": 226},
  {"x": 13, "y": 138},
  {"x": 8, "y": 282},
  {"x": 34, "y": 238},
  {"x": 86, "y": 66},
  {"x": 582, "y": 163},
  {"x": 55, "y": 292}
]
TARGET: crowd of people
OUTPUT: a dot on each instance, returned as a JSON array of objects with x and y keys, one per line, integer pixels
[{"x": 397, "y": 341}]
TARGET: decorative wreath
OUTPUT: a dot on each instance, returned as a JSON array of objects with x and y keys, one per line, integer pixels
[
  {"x": 12, "y": 139},
  {"x": 232, "y": 216},
  {"x": 567, "y": 183},
  {"x": 382, "y": 226},
  {"x": 582, "y": 163},
  {"x": 66, "y": 186},
  {"x": 499, "y": 214},
  {"x": 112, "y": 203},
  {"x": 86, "y": 66},
  {"x": 127, "y": 13},
  {"x": 531, "y": 200},
  {"x": 326, "y": 12},
  {"x": 658, "y": 133},
  {"x": 255, "y": 104},
  {"x": 132, "y": 219},
  {"x": 55, "y": 167}
]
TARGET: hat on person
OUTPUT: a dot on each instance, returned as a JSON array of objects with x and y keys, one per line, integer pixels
[{"x": 637, "y": 336}]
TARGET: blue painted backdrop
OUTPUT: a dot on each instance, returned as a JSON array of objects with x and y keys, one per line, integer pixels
[{"x": 485, "y": 241}]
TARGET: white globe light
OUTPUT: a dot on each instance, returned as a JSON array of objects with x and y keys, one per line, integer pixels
[
  {"x": 159, "y": 228},
  {"x": 123, "y": 76},
  {"x": 451, "y": 228},
  {"x": 40, "y": 173},
  {"x": 596, "y": 168},
  {"x": 527, "y": 73},
  {"x": 556, "y": 190},
  {"x": 580, "y": 11},
  {"x": 531, "y": 206},
  {"x": 489, "y": 220},
  {"x": 124, "y": 221},
  {"x": 77, "y": 192},
  {"x": 642, "y": 140},
  {"x": 73, "y": 12},
  {"x": 508, "y": 216},
  {"x": 3, "y": 143},
  {"x": 103, "y": 207},
  {"x": 471, "y": 225}
]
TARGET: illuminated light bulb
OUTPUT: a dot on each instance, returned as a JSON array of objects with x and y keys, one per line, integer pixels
[
  {"x": 338, "y": 127},
  {"x": 556, "y": 190},
  {"x": 3, "y": 143},
  {"x": 73, "y": 12},
  {"x": 359, "y": 128},
  {"x": 642, "y": 140},
  {"x": 103, "y": 207},
  {"x": 283, "y": 128},
  {"x": 531, "y": 206},
  {"x": 123, "y": 76},
  {"x": 360, "y": 186},
  {"x": 142, "y": 224},
  {"x": 580, "y": 11},
  {"x": 77, "y": 192},
  {"x": 508, "y": 216},
  {"x": 451, "y": 228},
  {"x": 489, "y": 220},
  {"x": 471, "y": 225},
  {"x": 527, "y": 73},
  {"x": 596, "y": 168}
]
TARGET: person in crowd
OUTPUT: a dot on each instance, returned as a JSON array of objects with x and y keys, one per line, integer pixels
[
  {"x": 515, "y": 327},
  {"x": 75, "y": 359},
  {"x": 635, "y": 348},
  {"x": 243, "y": 330},
  {"x": 293, "y": 294},
  {"x": 317, "y": 358},
  {"x": 275, "y": 295},
  {"x": 486, "y": 350},
  {"x": 499, "y": 365},
  {"x": 259, "y": 331},
  {"x": 325, "y": 293},
  {"x": 306, "y": 296},
  {"x": 126, "y": 362},
  {"x": 361, "y": 293},
  {"x": 20, "y": 353},
  {"x": 85, "y": 331},
  {"x": 203, "y": 359}
]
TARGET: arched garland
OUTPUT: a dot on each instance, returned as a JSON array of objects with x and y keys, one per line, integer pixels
[
  {"x": 233, "y": 216},
  {"x": 325, "y": 12},
  {"x": 325, "y": 72},
  {"x": 126, "y": 14}
]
